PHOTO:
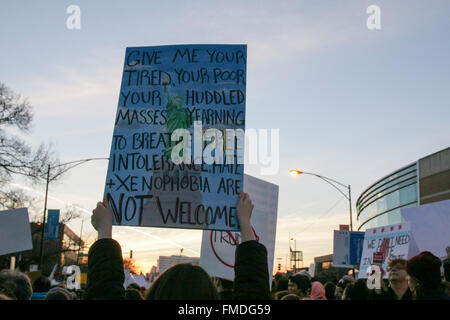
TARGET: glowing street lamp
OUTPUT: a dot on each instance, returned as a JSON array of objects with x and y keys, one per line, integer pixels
[{"x": 334, "y": 183}]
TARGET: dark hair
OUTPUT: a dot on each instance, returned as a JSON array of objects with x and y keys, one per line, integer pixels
[
  {"x": 133, "y": 294},
  {"x": 17, "y": 283},
  {"x": 303, "y": 283},
  {"x": 58, "y": 293},
  {"x": 447, "y": 270},
  {"x": 41, "y": 284},
  {"x": 183, "y": 281},
  {"x": 343, "y": 283},
  {"x": 425, "y": 268},
  {"x": 282, "y": 284},
  {"x": 134, "y": 285},
  {"x": 356, "y": 290},
  {"x": 291, "y": 296},
  {"x": 330, "y": 287},
  {"x": 396, "y": 262}
]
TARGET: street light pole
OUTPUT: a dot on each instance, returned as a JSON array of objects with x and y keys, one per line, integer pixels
[
  {"x": 333, "y": 183},
  {"x": 41, "y": 252},
  {"x": 73, "y": 164}
]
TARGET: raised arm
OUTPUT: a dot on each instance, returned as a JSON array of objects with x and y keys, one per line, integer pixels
[
  {"x": 105, "y": 265},
  {"x": 251, "y": 271}
]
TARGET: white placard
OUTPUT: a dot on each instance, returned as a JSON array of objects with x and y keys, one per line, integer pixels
[
  {"x": 15, "y": 232},
  {"x": 218, "y": 247},
  {"x": 388, "y": 242},
  {"x": 430, "y": 225}
]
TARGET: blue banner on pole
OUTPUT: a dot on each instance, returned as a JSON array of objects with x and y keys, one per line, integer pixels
[
  {"x": 356, "y": 247},
  {"x": 52, "y": 226}
]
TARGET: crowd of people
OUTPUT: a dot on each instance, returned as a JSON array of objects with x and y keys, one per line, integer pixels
[{"x": 419, "y": 278}]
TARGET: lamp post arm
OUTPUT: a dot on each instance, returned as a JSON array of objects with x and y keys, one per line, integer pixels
[{"x": 329, "y": 180}]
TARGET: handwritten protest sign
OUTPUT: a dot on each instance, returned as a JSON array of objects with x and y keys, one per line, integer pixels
[
  {"x": 15, "y": 232},
  {"x": 177, "y": 151},
  {"x": 430, "y": 225},
  {"x": 347, "y": 248},
  {"x": 384, "y": 244},
  {"x": 218, "y": 247}
]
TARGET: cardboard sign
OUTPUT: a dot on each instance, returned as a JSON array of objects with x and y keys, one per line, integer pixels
[
  {"x": 15, "y": 232},
  {"x": 347, "y": 248},
  {"x": 384, "y": 244},
  {"x": 52, "y": 225},
  {"x": 177, "y": 151},
  {"x": 219, "y": 247},
  {"x": 430, "y": 225}
]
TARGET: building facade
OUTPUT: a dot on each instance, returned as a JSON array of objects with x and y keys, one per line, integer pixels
[{"x": 424, "y": 181}]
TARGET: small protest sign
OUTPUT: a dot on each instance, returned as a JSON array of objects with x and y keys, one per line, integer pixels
[
  {"x": 177, "y": 151},
  {"x": 384, "y": 244},
  {"x": 218, "y": 247},
  {"x": 15, "y": 232}
]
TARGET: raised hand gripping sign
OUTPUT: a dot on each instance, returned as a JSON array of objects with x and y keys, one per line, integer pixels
[
  {"x": 177, "y": 151},
  {"x": 219, "y": 247}
]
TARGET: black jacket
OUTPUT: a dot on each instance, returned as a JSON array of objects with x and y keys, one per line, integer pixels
[{"x": 106, "y": 274}]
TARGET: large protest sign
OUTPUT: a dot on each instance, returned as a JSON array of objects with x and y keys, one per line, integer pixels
[
  {"x": 218, "y": 247},
  {"x": 430, "y": 225},
  {"x": 177, "y": 151},
  {"x": 347, "y": 248},
  {"x": 384, "y": 244},
  {"x": 15, "y": 232}
]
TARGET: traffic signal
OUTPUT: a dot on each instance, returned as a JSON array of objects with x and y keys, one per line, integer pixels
[{"x": 279, "y": 266}]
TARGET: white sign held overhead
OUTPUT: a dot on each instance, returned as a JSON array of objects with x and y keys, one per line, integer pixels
[
  {"x": 218, "y": 247},
  {"x": 430, "y": 225},
  {"x": 15, "y": 232}
]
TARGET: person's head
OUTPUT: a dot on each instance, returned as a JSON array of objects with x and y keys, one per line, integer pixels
[
  {"x": 356, "y": 291},
  {"x": 134, "y": 286},
  {"x": 282, "y": 284},
  {"x": 59, "y": 293},
  {"x": 317, "y": 291},
  {"x": 300, "y": 285},
  {"x": 17, "y": 283},
  {"x": 41, "y": 284},
  {"x": 291, "y": 296},
  {"x": 341, "y": 285},
  {"x": 133, "y": 294},
  {"x": 330, "y": 289},
  {"x": 424, "y": 273},
  {"x": 183, "y": 281},
  {"x": 397, "y": 271}
]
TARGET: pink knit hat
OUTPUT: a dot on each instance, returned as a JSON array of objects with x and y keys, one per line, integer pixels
[{"x": 317, "y": 291}]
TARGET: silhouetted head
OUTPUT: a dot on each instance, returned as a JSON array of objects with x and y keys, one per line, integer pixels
[
  {"x": 183, "y": 281},
  {"x": 330, "y": 288},
  {"x": 41, "y": 284},
  {"x": 299, "y": 284},
  {"x": 59, "y": 293},
  {"x": 17, "y": 283},
  {"x": 133, "y": 294}
]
